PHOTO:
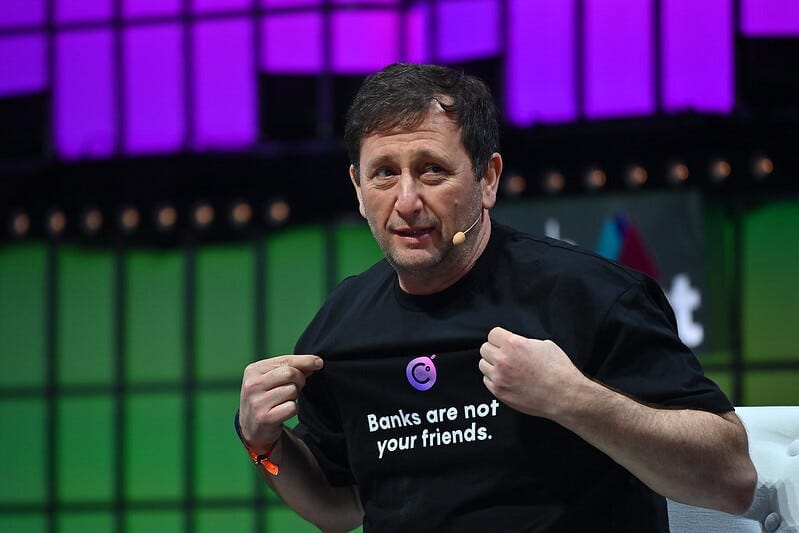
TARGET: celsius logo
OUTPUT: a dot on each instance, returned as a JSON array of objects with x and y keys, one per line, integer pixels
[{"x": 421, "y": 372}]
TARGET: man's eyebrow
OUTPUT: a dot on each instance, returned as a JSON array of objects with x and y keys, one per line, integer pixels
[
  {"x": 374, "y": 162},
  {"x": 423, "y": 155}
]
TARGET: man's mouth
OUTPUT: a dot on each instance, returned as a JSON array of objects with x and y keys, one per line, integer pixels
[{"x": 412, "y": 232}]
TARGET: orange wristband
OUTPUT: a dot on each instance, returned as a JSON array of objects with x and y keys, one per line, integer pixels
[{"x": 261, "y": 459}]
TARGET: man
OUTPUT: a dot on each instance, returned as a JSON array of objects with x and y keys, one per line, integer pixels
[{"x": 505, "y": 383}]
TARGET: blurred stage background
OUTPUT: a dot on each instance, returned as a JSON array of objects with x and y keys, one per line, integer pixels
[{"x": 175, "y": 204}]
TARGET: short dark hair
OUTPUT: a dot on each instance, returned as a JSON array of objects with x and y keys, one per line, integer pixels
[{"x": 400, "y": 95}]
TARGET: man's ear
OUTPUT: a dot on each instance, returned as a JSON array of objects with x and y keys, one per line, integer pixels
[
  {"x": 357, "y": 184},
  {"x": 490, "y": 180}
]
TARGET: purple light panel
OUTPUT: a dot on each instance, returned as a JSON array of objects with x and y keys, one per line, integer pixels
[
  {"x": 290, "y": 3},
  {"x": 697, "y": 56},
  {"x": 219, "y": 6},
  {"x": 358, "y": 51},
  {"x": 151, "y": 8},
  {"x": 23, "y": 64},
  {"x": 618, "y": 76},
  {"x": 540, "y": 65},
  {"x": 67, "y": 11},
  {"x": 763, "y": 18},
  {"x": 83, "y": 100},
  {"x": 467, "y": 30},
  {"x": 540, "y": 62},
  {"x": 153, "y": 90},
  {"x": 417, "y": 45},
  {"x": 367, "y": 2},
  {"x": 225, "y": 106},
  {"x": 292, "y": 43},
  {"x": 21, "y": 13}
]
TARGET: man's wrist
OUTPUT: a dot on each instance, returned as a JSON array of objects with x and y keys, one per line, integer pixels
[{"x": 261, "y": 457}]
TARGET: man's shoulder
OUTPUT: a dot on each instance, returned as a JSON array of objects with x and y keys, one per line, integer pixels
[
  {"x": 376, "y": 276},
  {"x": 353, "y": 296}
]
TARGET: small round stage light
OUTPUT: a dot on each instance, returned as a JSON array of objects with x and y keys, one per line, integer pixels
[
  {"x": 19, "y": 224},
  {"x": 720, "y": 170},
  {"x": 278, "y": 212},
  {"x": 129, "y": 219},
  {"x": 240, "y": 214},
  {"x": 553, "y": 182},
  {"x": 91, "y": 221},
  {"x": 595, "y": 179},
  {"x": 515, "y": 184},
  {"x": 203, "y": 215},
  {"x": 762, "y": 167},
  {"x": 678, "y": 173},
  {"x": 166, "y": 217},
  {"x": 636, "y": 177},
  {"x": 56, "y": 222}
]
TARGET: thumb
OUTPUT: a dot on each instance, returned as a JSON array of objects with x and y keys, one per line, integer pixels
[{"x": 305, "y": 363}]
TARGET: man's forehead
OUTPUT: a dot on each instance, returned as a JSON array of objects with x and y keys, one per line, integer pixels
[{"x": 435, "y": 114}]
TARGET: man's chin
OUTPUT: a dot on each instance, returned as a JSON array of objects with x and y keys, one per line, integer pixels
[{"x": 414, "y": 260}]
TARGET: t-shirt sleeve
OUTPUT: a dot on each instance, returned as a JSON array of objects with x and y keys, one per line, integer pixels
[
  {"x": 642, "y": 354},
  {"x": 320, "y": 428}
]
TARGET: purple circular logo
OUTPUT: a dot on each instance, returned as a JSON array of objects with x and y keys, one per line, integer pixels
[{"x": 421, "y": 372}]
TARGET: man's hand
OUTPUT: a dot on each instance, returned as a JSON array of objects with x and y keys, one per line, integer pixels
[
  {"x": 269, "y": 392},
  {"x": 690, "y": 456},
  {"x": 532, "y": 376}
]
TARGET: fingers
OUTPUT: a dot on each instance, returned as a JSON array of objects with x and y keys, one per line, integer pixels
[
  {"x": 499, "y": 336},
  {"x": 273, "y": 373},
  {"x": 275, "y": 406},
  {"x": 489, "y": 353},
  {"x": 269, "y": 391},
  {"x": 307, "y": 364}
]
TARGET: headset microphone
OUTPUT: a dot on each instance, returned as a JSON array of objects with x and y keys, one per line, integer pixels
[{"x": 460, "y": 237}]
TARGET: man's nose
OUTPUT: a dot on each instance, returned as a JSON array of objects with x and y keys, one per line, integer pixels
[{"x": 409, "y": 200}]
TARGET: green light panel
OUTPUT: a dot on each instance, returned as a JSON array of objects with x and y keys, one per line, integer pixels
[
  {"x": 22, "y": 449},
  {"x": 100, "y": 522},
  {"x": 285, "y": 519},
  {"x": 22, "y": 523},
  {"x": 771, "y": 283},
  {"x": 22, "y": 315},
  {"x": 719, "y": 281},
  {"x": 85, "y": 449},
  {"x": 356, "y": 250},
  {"x": 85, "y": 316},
  {"x": 298, "y": 266},
  {"x": 222, "y": 468},
  {"x": 724, "y": 380},
  {"x": 295, "y": 286},
  {"x": 152, "y": 521},
  {"x": 154, "y": 447},
  {"x": 775, "y": 387},
  {"x": 225, "y": 300},
  {"x": 154, "y": 342},
  {"x": 214, "y": 521}
]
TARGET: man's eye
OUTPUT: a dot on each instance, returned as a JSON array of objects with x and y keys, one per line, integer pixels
[
  {"x": 384, "y": 173},
  {"x": 433, "y": 169}
]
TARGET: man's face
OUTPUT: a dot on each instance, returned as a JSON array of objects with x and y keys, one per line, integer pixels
[{"x": 416, "y": 190}]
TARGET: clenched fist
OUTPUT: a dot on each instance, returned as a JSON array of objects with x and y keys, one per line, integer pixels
[
  {"x": 532, "y": 376},
  {"x": 269, "y": 392}
]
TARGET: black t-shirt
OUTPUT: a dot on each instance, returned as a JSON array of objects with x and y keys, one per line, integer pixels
[{"x": 400, "y": 409}]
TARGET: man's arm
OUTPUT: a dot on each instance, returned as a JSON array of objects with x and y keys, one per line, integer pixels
[
  {"x": 268, "y": 398},
  {"x": 694, "y": 457}
]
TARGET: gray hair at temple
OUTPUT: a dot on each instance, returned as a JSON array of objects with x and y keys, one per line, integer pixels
[{"x": 400, "y": 95}]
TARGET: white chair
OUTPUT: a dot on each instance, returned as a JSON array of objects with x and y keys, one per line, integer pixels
[{"x": 774, "y": 446}]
